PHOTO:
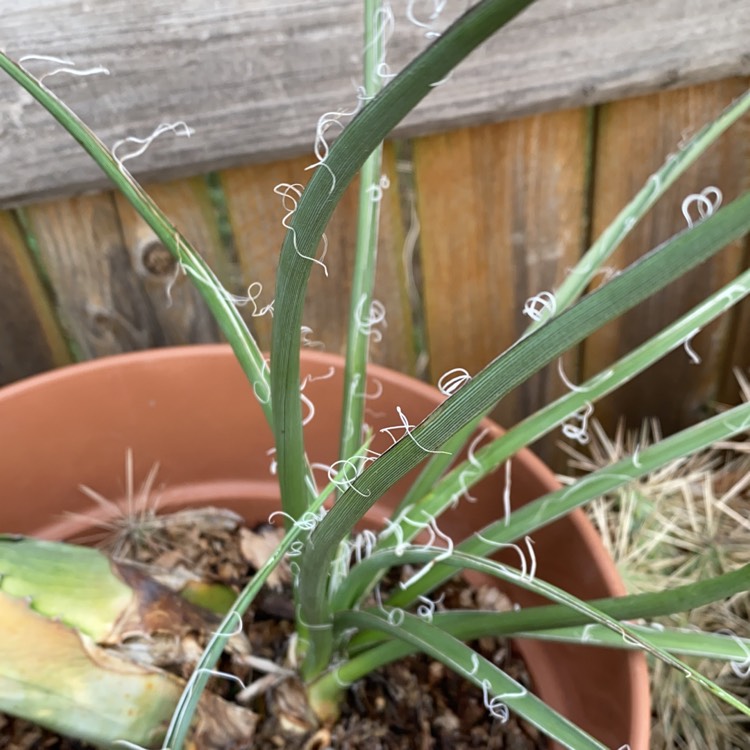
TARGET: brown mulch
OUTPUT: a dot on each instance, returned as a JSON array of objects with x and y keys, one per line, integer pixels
[{"x": 413, "y": 703}]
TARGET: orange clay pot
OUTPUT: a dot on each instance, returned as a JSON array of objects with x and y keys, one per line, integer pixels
[{"x": 190, "y": 410}]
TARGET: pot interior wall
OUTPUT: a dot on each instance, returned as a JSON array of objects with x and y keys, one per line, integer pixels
[{"x": 191, "y": 411}]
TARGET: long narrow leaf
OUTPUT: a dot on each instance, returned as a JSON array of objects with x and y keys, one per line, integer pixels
[
  {"x": 225, "y": 313},
  {"x": 460, "y": 560},
  {"x": 480, "y": 671},
  {"x": 437, "y": 494},
  {"x": 524, "y": 358},
  {"x": 729, "y": 648},
  {"x": 559, "y": 503},
  {"x": 316, "y": 206}
]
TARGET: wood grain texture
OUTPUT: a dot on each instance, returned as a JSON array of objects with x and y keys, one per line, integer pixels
[
  {"x": 502, "y": 210},
  {"x": 256, "y": 215},
  {"x": 253, "y": 76},
  {"x": 101, "y": 300},
  {"x": 634, "y": 138},
  {"x": 181, "y": 313},
  {"x": 31, "y": 340},
  {"x": 737, "y": 355}
]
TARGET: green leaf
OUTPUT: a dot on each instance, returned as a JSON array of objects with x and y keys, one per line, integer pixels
[
  {"x": 525, "y": 579},
  {"x": 717, "y": 646},
  {"x": 525, "y": 357},
  {"x": 554, "y": 505},
  {"x": 75, "y": 584},
  {"x": 316, "y": 205},
  {"x": 497, "y": 685}
]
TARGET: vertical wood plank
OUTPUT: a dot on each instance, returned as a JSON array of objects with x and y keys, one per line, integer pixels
[
  {"x": 31, "y": 340},
  {"x": 634, "y": 137},
  {"x": 256, "y": 215},
  {"x": 101, "y": 300},
  {"x": 737, "y": 356},
  {"x": 180, "y": 311},
  {"x": 502, "y": 212}
]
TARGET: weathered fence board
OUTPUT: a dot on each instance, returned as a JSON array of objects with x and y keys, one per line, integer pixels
[
  {"x": 181, "y": 313},
  {"x": 256, "y": 214},
  {"x": 634, "y": 138},
  {"x": 502, "y": 212},
  {"x": 738, "y": 354},
  {"x": 253, "y": 76},
  {"x": 101, "y": 301},
  {"x": 30, "y": 338}
]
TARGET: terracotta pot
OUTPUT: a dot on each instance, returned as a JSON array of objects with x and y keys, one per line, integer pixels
[{"x": 190, "y": 409}]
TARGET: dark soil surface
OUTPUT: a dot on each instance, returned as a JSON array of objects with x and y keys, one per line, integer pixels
[{"x": 415, "y": 703}]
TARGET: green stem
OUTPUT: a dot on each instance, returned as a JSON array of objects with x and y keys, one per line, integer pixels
[
  {"x": 441, "y": 494},
  {"x": 316, "y": 205},
  {"x": 554, "y": 505},
  {"x": 658, "y": 183},
  {"x": 468, "y": 625},
  {"x": 642, "y": 279},
  {"x": 363, "y": 277},
  {"x": 233, "y": 327},
  {"x": 366, "y": 250}
]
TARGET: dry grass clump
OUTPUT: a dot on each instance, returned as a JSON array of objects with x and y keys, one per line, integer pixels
[{"x": 688, "y": 521}]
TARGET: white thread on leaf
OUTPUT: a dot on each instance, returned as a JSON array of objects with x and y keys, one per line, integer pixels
[
  {"x": 395, "y": 529},
  {"x": 739, "y": 668},
  {"x": 508, "y": 545},
  {"x": 251, "y": 298},
  {"x": 586, "y": 636},
  {"x": 474, "y": 665},
  {"x": 706, "y": 206},
  {"x": 363, "y": 544},
  {"x": 450, "y": 381},
  {"x": 306, "y": 522},
  {"x": 342, "y": 482},
  {"x": 687, "y": 345},
  {"x": 321, "y": 147},
  {"x": 337, "y": 679},
  {"x": 438, "y": 6},
  {"x": 427, "y": 609},
  {"x": 532, "y": 556},
  {"x": 376, "y": 191},
  {"x": 385, "y": 25},
  {"x": 536, "y": 306},
  {"x": 568, "y": 383},
  {"x": 315, "y": 378},
  {"x": 67, "y": 66},
  {"x": 474, "y": 471},
  {"x": 305, "y": 340},
  {"x": 435, "y": 532},
  {"x": 394, "y": 615},
  {"x": 290, "y": 192},
  {"x": 262, "y": 385},
  {"x": 495, "y": 705},
  {"x": 179, "y": 129},
  {"x": 310, "y": 409},
  {"x": 579, "y": 432},
  {"x": 238, "y": 629},
  {"x": 407, "y": 428},
  {"x": 295, "y": 548},
  {"x": 375, "y": 316}
]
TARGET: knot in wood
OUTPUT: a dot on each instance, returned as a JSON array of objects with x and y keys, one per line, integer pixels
[{"x": 156, "y": 260}]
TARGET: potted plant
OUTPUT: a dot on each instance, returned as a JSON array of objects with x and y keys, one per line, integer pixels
[{"x": 332, "y": 593}]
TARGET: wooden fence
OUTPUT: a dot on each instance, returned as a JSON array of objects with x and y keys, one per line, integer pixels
[{"x": 476, "y": 218}]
